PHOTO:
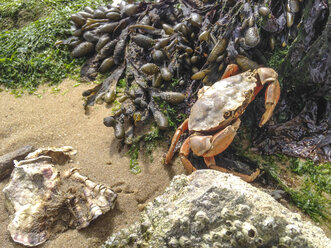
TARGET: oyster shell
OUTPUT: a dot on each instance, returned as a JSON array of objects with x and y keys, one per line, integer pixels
[{"x": 44, "y": 202}]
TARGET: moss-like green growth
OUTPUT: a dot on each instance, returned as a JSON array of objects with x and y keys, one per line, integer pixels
[
  {"x": 174, "y": 117},
  {"x": 151, "y": 140},
  {"x": 133, "y": 153},
  {"x": 308, "y": 184},
  {"x": 28, "y": 56}
]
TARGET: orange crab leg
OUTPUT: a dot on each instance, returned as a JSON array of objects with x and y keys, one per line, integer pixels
[
  {"x": 223, "y": 139},
  {"x": 180, "y": 130},
  {"x": 231, "y": 70},
  {"x": 184, "y": 152},
  {"x": 272, "y": 94},
  {"x": 210, "y": 162}
]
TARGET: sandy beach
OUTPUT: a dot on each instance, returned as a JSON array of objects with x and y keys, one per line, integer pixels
[{"x": 57, "y": 118}]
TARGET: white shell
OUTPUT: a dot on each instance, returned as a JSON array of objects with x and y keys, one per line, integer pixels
[{"x": 43, "y": 202}]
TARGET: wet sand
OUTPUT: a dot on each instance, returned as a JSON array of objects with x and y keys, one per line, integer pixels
[{"x": 59, "y": 119}]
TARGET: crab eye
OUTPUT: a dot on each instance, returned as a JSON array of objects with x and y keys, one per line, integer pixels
[{"x": 227, "y": 114}]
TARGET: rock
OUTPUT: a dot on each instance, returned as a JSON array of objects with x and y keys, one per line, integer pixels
[
  {"x": 43, "y": 201},
  {"x": 7, "y": 160},
  {"x": 213, "y": 209}
]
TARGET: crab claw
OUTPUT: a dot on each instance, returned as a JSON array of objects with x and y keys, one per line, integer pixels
[{"x": 272, "y": 94}]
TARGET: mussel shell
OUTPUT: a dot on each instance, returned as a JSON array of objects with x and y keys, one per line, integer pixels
[
  {"x": 150, "y": 69},
  {"x": 252, "y": 37},
  {"x": 89, "y": 10},
  {"x": 158, "y": 56},
  {"x": 99, "y": 14},
  {"x": 204, "y": 36},
  {"x": 113, "y": 16},
  {"x": 173, "y": 97},
  {"x": 251, "y": 21},
  {"x": 114, "y": 9},
  {"x": 82, "y": 49},
  {"x": 245, "y": 63},
  {"x": 102, "y": 42},
  {"x": 220, "y": 58},
  {"x": 78, "y": 20},
  {"x": 194, "y": 59},
  {"x": 119, "y": 51},
  {"x": 106, "y": 65},
  {"x": 108, "y": 28},
  {"x": 166, "y": 74},
  {"x": 119, "y": 130},
  {"x": 110, "y": 96},
  {"x": 86, "y": 93},
  {"x": 161, "y": 120},
  {"x": 264, "y": 11},
  {"x": 195, "y": 20},
  {"x": 142, "y": 40},
  {"x": 85, "y": 14},
  {"x": 108, "y": 49},
  {"x": 130, "y": 9},
  {"x": 289, "y": 19},
  {"x": 194, "y": 70},
  {"x": 74, "y": 43},
  {"x": 162, "y": 43},
  {"x": 198, "y": 76},
  {"x": 272, "y": 42},
  {"x": 145, "y": 20},
  {"x": 217, "y": 50},
  {"x": 77, "y": 32},
  {"x": 99, "y": 99},
  {"x": 103, "y": 8},
  {"x": 293, "y": 6},
  {"x": 168, "y": 29},
  {"x": 90, "y": 36},
  {"x": 157, "y": 80}
]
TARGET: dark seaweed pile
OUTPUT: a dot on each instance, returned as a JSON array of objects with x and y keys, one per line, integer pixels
[
  {"x": 305, "y": 109},
  {"x": 167, "y": 51}
]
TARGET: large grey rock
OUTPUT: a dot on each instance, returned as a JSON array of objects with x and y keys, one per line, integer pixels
[
  {"x": 213, "y": 209},
  {"x": 7, "y": 160}
]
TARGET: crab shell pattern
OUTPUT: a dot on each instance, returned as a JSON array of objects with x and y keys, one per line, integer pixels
[
  {"x": 222, "y": 102},
  {"x": 214, "y": 118}
]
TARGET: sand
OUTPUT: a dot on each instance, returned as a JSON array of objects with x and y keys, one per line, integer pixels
[{"x": 57, "y": 119}]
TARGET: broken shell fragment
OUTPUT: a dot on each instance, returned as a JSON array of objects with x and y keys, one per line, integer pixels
[{"x": 43, "y": 201}]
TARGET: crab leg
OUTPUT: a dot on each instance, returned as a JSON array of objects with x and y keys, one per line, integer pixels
[
  {"x": 180, "y": 130},
  {"x": 184, "y": 152},
  {"x": 210, "y": 162},
  {"x": 272, "y": 94},
  {"x": 221, "y": 140},
  {"x": 230, "y": 70}
]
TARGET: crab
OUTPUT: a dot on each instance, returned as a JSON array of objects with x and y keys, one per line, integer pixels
[{"x": 214, "y": 118}]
